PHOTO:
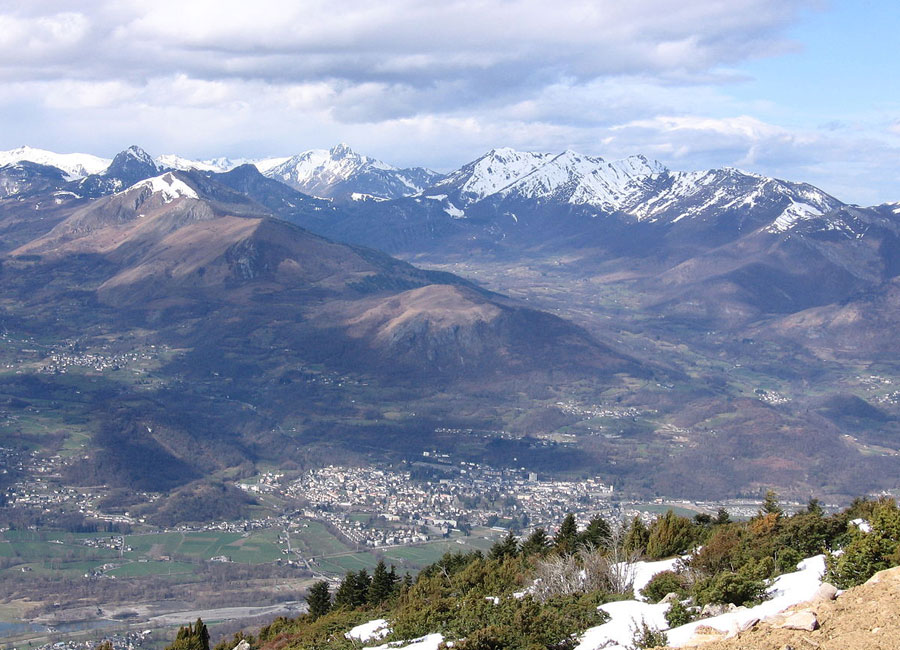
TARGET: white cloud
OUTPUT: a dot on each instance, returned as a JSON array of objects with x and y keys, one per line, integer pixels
[{"x": 417, "y": 82}]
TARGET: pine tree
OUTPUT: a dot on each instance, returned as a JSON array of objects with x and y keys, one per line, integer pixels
[
  {"x": 191, "y": 637},
  {"x": 506, "y": 547},
  {"x": 537, "y": 543},
  {"x": 722, "y": 517},
  {"x": 770, "y": 505},
  {"x": 344, "y": 596},
  {"x": 318, "y": 599},
  {"x": 202, "y": 634},
  {"x": 637, "y": 537},
  {"x": 567, "y": 536},
  {"x": 361, "y": 588},
  {"x": 597, "y": 533},
  {"x": 382, "y": 586}
]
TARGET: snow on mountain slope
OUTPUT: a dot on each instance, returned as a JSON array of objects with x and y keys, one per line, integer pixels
[
  {"x": 217, "y": 165},
  {"x": 75, "y": 165},
  {"x": 705, "y": 194},
  {"x": 169, "y": 186},
  {"x": 494, "y": 171},
  {"x": 568, "y": 177},
  {"x": 585, "y": 180},
  {"x": 340, "y": 172}
]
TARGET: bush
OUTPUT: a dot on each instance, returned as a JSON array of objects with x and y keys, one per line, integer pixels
[
  {"x": 868, "y": 553},
  {"x": 740, "y": 588},
  {"x": 678, "y": 615},
  {"x": 647, "y": 637},
  {"x": 665, "y": 583}
]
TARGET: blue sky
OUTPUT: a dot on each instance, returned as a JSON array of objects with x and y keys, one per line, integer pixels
[
  {"x": 845, "y": 65},
  {"x": 799, "y": 89}
]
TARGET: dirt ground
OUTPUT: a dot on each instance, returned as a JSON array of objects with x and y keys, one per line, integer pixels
[{"x": 863, "y": 618}]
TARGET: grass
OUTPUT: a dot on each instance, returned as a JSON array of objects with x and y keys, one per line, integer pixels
[
  {"x": 141, "y": 569},
  {"x": 257, "y": 548},
  {"x": 314, "y": 539}
]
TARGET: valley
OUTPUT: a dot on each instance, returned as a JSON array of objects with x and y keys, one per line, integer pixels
[{"x": 214, "y": 391}]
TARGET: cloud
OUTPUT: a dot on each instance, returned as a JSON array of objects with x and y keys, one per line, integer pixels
[
  {"x": 507, "y": 43},
  {"x": 419, "y": 82}
]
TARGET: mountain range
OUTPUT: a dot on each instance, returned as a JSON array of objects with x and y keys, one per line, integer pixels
[{"x": 745, "y": 323}]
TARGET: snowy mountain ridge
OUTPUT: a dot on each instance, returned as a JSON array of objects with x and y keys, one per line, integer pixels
[
  {"x": 340, "y": 172},
  {"x": 75, "y": 165},
  {"x": 642, "y": 188},
  {"x": 218, "y": 165},
  {"x": 505, "y": 178}
]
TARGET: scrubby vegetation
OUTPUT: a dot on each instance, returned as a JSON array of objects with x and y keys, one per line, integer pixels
[{"x": 543, "y": 591}]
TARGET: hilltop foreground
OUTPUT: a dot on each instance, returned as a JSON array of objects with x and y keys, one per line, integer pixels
[{"x": 866, "y": 617}]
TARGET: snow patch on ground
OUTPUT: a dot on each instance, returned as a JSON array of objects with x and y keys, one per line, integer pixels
[
  {"x": 862, "y": 524},
  {"x": 786, "y": 590},
  {"x": 644, "y": 572},
  {"x": 361, "y": 196},
  {"x": 427, "y": 642},
  {"x": 371, "y": 631},
  {"x": 455, "y": 212},
  {"x": 626, "y": 616}
]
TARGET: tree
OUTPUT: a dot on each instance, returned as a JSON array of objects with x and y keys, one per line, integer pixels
[
  {"x": 567, "y": 535},
  {"x": 770, "y": 505},
  {"x": 191, "y": 637},
  {"x": 319, "y": 599},
  {"x": 637, "y": 536},
  {"x": 722, "y": 517},
  {"x": 382, "y": 585},
  {"x": 537, "y": 543},
  {"x": 506, "y": 547},
  {"x": 353, "y": 590},
  {"x": 670, "y": 535},
  {"x": 596, "y": 535},
  {"x": 703, "y": 519},
  {"x": 361, "y": 588}
]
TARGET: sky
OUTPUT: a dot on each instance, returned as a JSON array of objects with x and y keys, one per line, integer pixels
[{"x": 805, "y": 90}]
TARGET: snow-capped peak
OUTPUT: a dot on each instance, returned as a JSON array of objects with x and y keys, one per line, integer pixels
[
  {"x": 492, "y": 172},
  {"x": 168, "y": 186},
  {"x": 139, "y": 154},
  {"x": 569, "y": 177},
  {"x": 339, "y": 172},
  {"x": 74, "y": 165}
]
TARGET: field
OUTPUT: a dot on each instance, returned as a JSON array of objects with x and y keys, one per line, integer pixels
[{"x": 178, "y": 553}]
